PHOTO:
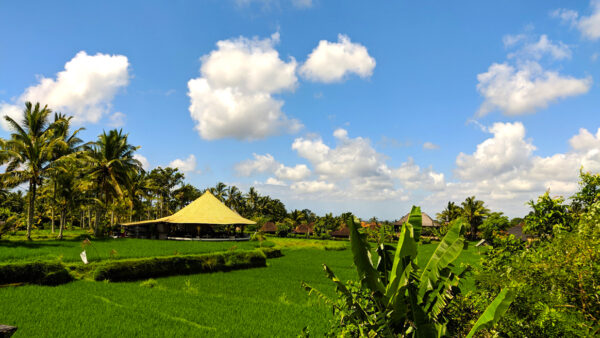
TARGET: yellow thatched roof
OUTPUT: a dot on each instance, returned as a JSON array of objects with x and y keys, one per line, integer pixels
[{"x": 207, "y": 209}]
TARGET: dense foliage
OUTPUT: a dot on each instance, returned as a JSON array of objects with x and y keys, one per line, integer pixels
[{"x": 396, "y": 296}]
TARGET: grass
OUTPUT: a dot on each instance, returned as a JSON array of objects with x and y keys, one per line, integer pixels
[{"x": 256, "y": 302}]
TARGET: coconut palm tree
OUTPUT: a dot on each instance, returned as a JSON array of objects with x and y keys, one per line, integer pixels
[
  {"x": 234, "y": 198},
  {"x": 220, "y": 191},
  {"x": 111, "y": 166},
  {"x": 29, "y": 152},
  {"x": 449, "y": 214},
  {"x": 72, "y": 144},
  {"x": 474, "y": 212}
]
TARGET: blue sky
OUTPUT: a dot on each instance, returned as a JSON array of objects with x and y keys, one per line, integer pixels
[{"x": 333, "y": 105}]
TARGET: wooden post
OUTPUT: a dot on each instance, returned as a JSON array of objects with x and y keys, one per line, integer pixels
[{"x": 7, "y": 331}]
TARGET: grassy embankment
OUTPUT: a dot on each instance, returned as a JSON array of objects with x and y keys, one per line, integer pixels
[{"x": 263, "y": 301}]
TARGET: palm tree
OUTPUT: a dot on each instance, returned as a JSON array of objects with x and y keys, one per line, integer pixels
[
  {"x": 140, "y": 186},
  {"x": 220, "y": 191},
  {"x": 234, "y": 198},
  {"x": 449, "y": 214},
  {"x": 29, "y": 152},
  {"x": 474, "y": 212},
  {"x": 61, "y": 126},
  {"x": 252, "y": 201},
  {"x": 111, "y": 166},
  {"x": 164, "y": 181},
  {"x": 186, "y": 195}
]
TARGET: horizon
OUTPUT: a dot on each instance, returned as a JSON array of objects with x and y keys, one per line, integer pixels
[{"x": 327, "y": 107}]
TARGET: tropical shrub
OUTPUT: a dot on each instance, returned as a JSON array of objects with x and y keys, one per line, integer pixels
[
  {"x": 144, "y": 268},
  {"x": 556, "y": 284},
  {"x": 44, "y": 273},
  {"x": 589, "y": 222},
  {"x": 494, "y": 223},
  {"x": 548, "y": 216},
  {"x": 397, "y": 297}
]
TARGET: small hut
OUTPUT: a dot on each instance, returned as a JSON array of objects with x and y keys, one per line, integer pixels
[
  {"x": 373, "y": 226},
  {"x": 342, "y": 232},
  {"x": 269, "y": 228},
  {"x": 427, "y": 222},
  {"x": 517, "y": 231},
  {"x": 304, "y": 229},
  {"x": 205, "y": 217}
]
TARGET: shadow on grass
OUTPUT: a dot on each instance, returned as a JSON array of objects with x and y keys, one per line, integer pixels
[{"x": 32, "y": 244}]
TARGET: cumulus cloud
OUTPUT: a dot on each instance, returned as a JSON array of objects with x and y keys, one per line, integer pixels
[
  {"x": 308, "y": 187},
  {"x": 588, "y": 25},
  {"x": 537, "y": 49},
  {"x": 334, "y": 61},
  {"x": 350, "y": 170},
  {"x": 505, "y": 173},
  {"x": 506, "y": 150},
  {"x": 117, "y": 120},
  {"x": 143, "y": 160},
  {"x": 268, "y": 4},
  {"x": 233, "y": 98},
  {"x": 84, "y": 89},
  {"x": 357, "y": 168},
  {"x": 274, "y": 181},
  {"x": 13, "y": 111},
  {"x": 525, "y": 88},
  {"x": 430, "y": 146},
  {"x": 187, "y": 165},
  {"x": 267, "y": 164}
]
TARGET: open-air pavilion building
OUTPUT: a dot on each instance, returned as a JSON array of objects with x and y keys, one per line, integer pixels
[{"x": 205, "y": 218}]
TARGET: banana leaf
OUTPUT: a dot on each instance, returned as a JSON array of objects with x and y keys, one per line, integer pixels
[
  {"x": 416, "y": 220},
  {"x": 446, "y": 252},
  {"x": 361, "y": 251},
  {"x": 494, "y": 311}
]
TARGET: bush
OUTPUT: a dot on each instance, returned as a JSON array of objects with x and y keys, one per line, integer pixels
[
  {"x": 43, "y": 273},
  {"x": 150, "y": 283},
  {"x": 136, "y": 269},
  {"x": 557, "y": 286},
  {"x": 272, "y": 252}
]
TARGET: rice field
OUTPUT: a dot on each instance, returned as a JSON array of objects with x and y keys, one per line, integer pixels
[{"x": 255, "y": 302}]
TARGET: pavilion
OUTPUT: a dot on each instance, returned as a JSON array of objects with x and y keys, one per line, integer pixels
[{"x": 206, "y": 217}]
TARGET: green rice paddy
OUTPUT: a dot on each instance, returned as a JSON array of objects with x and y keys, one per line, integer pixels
[{"x": 255, "y": 302}]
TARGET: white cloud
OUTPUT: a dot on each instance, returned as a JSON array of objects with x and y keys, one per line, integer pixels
[
  {"x": 12, "y": 111},
  {"x": 300, "y": 171},
  {"x": 358, "y": 169},
  {"x": 430, "y": 146},
  {"x": 233, "y": 97},
  {"x": 117, "y": 120},
  {"x": 302, "y": 3},
  {"x": 268, "y": 164},
  {"x": 334, "y": 61},
  {"x": 274, "y": 181},
  {"x": 260, "y": 164},
  {"x": 504, "y": 172},
  {"x": 565, "y": 15},
  {"x": 309, "y": 187},
  {"x": 589, "y": 26},
  {"x": 267, "y": 4},
  {"x": 585, "y": 141},
  {"x": 525, "y": 89},
  {"x": 85, "y": 89},
  {"x": 536, "y": 50},
  {"x": 187, "y": 165},
  {"x": 505, "y": 151},
  {"x": 143, "y": 160}
]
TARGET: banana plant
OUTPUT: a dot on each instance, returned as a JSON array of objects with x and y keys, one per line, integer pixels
[{"x": 397, "y": 297}]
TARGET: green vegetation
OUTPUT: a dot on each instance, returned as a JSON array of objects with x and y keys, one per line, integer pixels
[{"x": 396, "y": 297}]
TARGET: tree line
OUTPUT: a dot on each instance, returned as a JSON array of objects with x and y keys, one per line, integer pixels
[{"x": 99, "y": 183}]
